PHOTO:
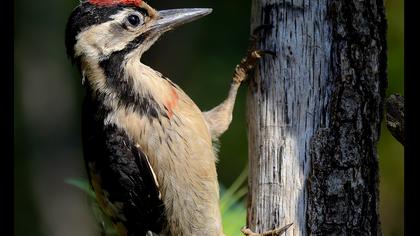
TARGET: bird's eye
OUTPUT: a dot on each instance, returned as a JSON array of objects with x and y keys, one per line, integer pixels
[{"x": 134, "y": 20}]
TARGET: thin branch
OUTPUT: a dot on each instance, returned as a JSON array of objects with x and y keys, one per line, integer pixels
[{"x": 395, "y": 116}]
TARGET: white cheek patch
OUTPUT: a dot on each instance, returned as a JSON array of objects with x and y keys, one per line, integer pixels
[{"x": 99, "y": 41}]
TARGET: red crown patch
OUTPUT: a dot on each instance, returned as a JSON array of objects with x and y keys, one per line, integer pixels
[{"x": 115, "y": 2}]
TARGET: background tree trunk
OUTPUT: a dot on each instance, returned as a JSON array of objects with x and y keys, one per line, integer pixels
[{"x": 314, "y": 117}]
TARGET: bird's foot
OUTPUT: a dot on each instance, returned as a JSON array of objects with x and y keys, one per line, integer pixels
[
  {"x": 248, "y": 63},
  {"x": 256, "y": 35},
  {"x": 275, "y": 232}
]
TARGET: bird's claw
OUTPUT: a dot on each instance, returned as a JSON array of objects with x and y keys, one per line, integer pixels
[
  {"x": 253, "y": 55},
  {"x": 248, "y": 63},
  {"x": 262, "y": 27},
  {"x": 276, "y": 232},
  {"x": 265, "y": 52},
  {"x": 256, "y": 36},
  {"x": 256, "y": 32}
]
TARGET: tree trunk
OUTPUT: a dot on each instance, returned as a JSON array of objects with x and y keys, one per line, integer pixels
[{"x": 314, "y": 116}]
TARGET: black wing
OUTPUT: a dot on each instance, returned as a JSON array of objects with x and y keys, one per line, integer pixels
[{"x": 120, "y": 174}]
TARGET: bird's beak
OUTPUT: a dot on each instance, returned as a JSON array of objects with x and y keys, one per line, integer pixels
[{"x": 171, "y": 19}]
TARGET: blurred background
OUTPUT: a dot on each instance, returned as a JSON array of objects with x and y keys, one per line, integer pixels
[{"x": 200, "y": 57}]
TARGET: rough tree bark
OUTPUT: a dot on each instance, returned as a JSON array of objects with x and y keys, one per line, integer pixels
[{"x": 314, "y": 116}]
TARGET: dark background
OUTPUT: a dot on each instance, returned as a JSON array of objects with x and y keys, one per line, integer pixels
[{"x": 200, "y": 57}]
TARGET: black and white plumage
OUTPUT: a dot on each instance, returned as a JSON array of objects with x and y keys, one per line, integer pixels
[
  {"x": 120, "y": 173},
  {"x": 147, "y": 146}
]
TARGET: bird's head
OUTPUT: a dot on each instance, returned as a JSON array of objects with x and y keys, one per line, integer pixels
[{"x": 99, "y": 29}]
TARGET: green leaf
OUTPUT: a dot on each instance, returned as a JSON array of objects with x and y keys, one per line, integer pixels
[
  {"x": 104, "y": 222},
  {"x": 232, "y": 208},
  {"x": 82, "y": 184},
  {"x": 232, "y": 195}
]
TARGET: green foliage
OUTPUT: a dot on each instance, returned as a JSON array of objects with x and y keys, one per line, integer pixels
[
  {"x": 82, "y": 184},
  {"x": 199, "y": 57},
  {"x": 231, "y": 205},
  {"x": 232, "y": 208},
  {"x": 104, "y": 222}
]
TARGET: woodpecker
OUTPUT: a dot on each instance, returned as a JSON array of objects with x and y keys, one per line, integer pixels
[{"x": 147, "y": 146}]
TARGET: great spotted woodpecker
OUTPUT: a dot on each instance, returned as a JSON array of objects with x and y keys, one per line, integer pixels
[{"x": 147, "y": 146}]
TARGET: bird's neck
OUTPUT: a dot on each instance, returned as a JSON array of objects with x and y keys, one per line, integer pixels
[
  {"x": 128, "y": 83},
  {"x": 150, "y": 83}
]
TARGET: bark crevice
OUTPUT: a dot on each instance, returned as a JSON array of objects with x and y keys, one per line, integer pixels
[
  {"x": 345, "y": 153},
  {"x": 314, "y": 116}
]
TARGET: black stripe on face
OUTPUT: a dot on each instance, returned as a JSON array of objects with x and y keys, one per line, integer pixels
[
  {"x": 86, "y": 15},
  {"x": 113, "y": 68}
]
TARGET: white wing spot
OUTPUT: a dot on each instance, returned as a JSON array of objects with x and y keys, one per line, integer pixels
[{"x": 153, "y": 172}]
